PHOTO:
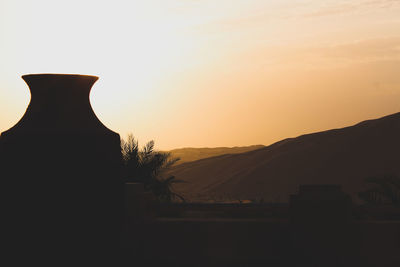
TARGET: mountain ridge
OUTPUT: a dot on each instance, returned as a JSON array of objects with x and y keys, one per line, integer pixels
[
  {"x": 343, "y": 156},
  {"x": 188, "y": 154}
]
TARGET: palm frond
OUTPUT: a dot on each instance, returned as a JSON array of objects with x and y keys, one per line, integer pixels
[{"x": 146, "y": 166}]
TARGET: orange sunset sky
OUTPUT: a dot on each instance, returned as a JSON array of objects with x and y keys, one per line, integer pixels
[{"x": 210, "y": 72}]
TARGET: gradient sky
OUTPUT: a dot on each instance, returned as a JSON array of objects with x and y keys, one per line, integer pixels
[{"x": 210, "y": 72}]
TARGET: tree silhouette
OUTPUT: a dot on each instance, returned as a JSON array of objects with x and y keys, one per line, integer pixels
[
  {"x": 386, "y": 190},
  {"x": 148, "y": 166}
]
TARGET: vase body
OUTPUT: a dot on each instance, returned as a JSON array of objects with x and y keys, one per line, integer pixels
[{"x": 61, "y": 174}]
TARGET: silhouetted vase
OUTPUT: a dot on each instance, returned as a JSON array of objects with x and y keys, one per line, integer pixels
[{"x": 60, "y": 170}]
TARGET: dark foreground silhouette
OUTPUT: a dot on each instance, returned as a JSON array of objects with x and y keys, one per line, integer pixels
[
  {"x": 60, "y": 174},
  {"x": 62, "y": 197}
]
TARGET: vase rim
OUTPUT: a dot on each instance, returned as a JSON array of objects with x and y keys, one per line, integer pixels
[{"x": 58, "y": 75}]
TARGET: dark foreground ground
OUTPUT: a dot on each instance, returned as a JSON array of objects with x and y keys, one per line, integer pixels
[{"x": 262, "y": 242}]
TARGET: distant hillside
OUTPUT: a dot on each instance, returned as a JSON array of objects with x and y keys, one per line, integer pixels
[
  {"x": 341, "y": 156},
  {"x": 192, "y": 154}
]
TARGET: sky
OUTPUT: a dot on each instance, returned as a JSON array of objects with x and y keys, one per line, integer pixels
[{"x": 207, "y": 73}]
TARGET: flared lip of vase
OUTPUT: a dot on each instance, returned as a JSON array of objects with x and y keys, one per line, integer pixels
[
  {"x": 89, "y": 79},
  {"x": 60, "y": 75}
]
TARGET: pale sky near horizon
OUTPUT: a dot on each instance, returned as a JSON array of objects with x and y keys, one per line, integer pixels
[{"x": 206, "y": 73}]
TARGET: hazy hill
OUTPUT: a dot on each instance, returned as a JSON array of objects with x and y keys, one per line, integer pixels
[
  {"x": 340, "y": 156},
  {"x": 192, "y": 154}
]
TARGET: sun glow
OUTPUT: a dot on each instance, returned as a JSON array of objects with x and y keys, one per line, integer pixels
[
  {"x": 128, "y": 46},
  {"x": 209, "y": 73},
  {"x": 132, "y": 45}
]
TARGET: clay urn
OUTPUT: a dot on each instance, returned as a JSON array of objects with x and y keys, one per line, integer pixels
[{"x": 60, "y": 168}]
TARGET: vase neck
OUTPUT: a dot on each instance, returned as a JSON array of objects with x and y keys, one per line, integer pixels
[
  {"x": 56, "y": 87},
  {"x": 60, "y": 102}
]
